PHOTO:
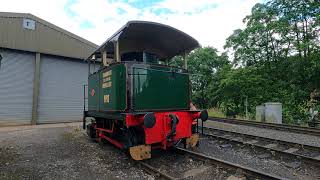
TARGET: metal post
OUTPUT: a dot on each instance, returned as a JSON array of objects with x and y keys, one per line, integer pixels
[
  {"x": 185, "y": 64},
  {"x": 36, "y": 84},
  {"x": 84, "y": 107},
  {"x": 94, "y": 65},
  {"x": 197, "y": 125},
  {"x": 201, "y": 126},
  {"x": 104, "y": 58},
  {"x": 84, "y": 97},
  {"x": 89, "y": 71},
  {"x": 0, "y": 60},
  {"x": 116, "y": 50}
]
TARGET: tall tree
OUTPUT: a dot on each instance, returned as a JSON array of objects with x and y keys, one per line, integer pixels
[
  {"x": 203, "y": 64},
  {"x": 277, "y": 29},
  {"x": 280, "y": 46}
]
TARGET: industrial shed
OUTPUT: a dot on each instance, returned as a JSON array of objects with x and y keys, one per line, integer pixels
[{"x": 42, "y": 71}]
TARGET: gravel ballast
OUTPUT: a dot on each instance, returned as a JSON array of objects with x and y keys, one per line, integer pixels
[
  {"x": 61, "y": 151},
  {"x": 185, "y": 166},
  {"x": 260, "y": 160},
  {"x": 269, "y": 133}
]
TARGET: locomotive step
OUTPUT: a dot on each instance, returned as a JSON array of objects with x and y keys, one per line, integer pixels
[{"x": 140, "y": 152}]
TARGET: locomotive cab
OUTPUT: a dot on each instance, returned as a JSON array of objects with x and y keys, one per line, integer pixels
[
  {"x": 136, "y": 100},
  {"x": 140, "y": 57}
]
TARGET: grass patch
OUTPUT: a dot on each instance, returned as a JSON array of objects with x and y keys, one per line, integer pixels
[
  {"x": 8, "y": 155},
  {"x": 215, "y": 112},
  {"x": 9, "y": 176}
]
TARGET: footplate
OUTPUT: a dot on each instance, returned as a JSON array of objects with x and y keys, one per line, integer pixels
[
  {"x": 140, "y": 152},
  {"x": 192, "y": 140}
]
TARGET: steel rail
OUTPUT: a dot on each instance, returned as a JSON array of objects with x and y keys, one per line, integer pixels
[
  {"x": 246, "y": 170},
  {"x": 309, "y": 159},
  {"x": 283, "y": 127},
  {"x": 151, "y": 170},
  {"x": 283, "y": 142},
  {"x": 154, "y": 171}
]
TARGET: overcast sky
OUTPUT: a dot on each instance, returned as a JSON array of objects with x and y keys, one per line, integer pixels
[{"x": 209, "y": 21}]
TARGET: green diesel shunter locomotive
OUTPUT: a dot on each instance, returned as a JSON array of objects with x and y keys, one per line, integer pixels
[{"x": 136, "y": 101}]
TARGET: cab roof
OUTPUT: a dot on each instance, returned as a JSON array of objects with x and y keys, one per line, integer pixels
[{"x": 136, "y": 36}]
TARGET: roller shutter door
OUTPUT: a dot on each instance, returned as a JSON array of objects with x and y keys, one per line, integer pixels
[
  {"x": 16, "y": 87},
  {"x": 61, "y": 89}
]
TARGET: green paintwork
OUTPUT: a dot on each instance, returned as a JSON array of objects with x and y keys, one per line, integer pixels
[
  {"x": 160, "y": 88},
  {"x": 93, "y": 98},
  {"x": 154, "y": 88},
  {"x": 116, "y": 91}
]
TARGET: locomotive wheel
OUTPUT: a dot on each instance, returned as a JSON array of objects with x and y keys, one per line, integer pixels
[
  {"x": 135, "y": 143},
  {"x": 91, "y": 132},
  {"x": 135, "y": 136}
]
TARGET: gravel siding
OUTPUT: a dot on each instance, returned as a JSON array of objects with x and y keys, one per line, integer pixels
[
  {"x": 260, "y": 160},
  {"x": 61, "y": 152},
  {"x": 269, "y": 133}
]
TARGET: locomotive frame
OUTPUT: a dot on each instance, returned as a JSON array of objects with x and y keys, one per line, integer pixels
[{"x": 136, "y": 103}]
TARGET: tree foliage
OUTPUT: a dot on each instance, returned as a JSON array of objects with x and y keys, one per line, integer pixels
[
  {"x": 203, "y": 66},
  {"x": 276, "y": 57},
  {"x": 281, "y": 43},
  {"x": 277, "y": 29}
]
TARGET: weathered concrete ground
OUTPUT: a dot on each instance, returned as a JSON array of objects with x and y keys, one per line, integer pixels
[{"x": 61, "y": 152}]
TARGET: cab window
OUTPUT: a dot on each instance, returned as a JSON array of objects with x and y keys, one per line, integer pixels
[{"x": 140, "y": 57}]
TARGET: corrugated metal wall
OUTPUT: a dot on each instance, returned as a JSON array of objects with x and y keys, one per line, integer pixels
[
  {"x": 61, "y": 90},
  {"x": 45, "y": 38},
  {"x": 16, "y": 87}
]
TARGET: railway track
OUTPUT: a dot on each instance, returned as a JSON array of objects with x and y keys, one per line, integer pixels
[
  {"x": 155, "y": 172},
  {"x": 305, "y": 153},
  {"x": 246, "y": 172},
  {"x": 282, "y": 127}
]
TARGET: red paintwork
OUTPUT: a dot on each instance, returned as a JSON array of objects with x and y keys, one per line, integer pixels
[
  {"x": 157, "y": 135},
  {"x": 100, "y": 134},
  {"x": 196, "y": 115},
  {"x": 134, "y": 120},
  {"x": 105, "y": 130},
  {"x": 114, "y": 142},
  {"x": 93, "y": 92},
  {"x": 162, "y": 128}
]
